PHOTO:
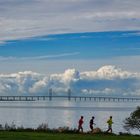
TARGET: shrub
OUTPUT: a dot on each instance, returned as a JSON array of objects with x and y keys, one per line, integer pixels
[{"x": 133, "y": 122}]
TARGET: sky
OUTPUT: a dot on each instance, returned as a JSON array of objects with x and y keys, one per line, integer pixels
[{"x": 90, "y": 46}]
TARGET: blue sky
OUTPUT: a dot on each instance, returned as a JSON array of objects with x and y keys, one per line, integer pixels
[
  {"x": 94, "y": 45},
  {"x": 82, "y": 51},
  {"x": 85, "y": 33}
]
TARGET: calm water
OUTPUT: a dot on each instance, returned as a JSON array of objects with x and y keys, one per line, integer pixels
[{"x": 65, "y": 113}]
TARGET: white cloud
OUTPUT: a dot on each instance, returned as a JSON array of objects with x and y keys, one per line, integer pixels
[
  {"x": 131, "y": 34},
  {"x": 2, "y": 58},
  {"x": 108, "y": 16},
  {"x": 23, "y": 19},
  {"x": 108, "y": 80}
]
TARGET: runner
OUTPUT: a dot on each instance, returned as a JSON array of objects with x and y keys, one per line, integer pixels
[
  {"x": 80, "y": 123},
  {"x": 91, "y": 123},
  {"x": 110, "y": 122}
]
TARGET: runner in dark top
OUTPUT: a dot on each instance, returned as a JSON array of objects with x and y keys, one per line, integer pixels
[{"x": 91, "y": 123}]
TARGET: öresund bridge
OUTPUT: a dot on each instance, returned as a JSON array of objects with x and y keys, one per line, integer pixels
[{"x": 70, "y": 97}]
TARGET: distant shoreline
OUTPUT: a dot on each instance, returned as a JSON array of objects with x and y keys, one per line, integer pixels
[{"x": 71, "y": 107}]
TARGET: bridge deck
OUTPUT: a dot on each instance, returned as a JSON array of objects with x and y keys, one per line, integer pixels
[{"x": 76, "y": 98}]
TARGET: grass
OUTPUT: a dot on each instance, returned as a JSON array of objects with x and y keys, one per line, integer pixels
[{"x": 7, "y": 135}]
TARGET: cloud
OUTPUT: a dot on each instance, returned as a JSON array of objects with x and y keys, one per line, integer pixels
[
  {"x": 24, "y": 19},
  {"x": 108, "y": 80},
  {"x": 44, "y": 57},
  {"x": 110, "y": 16},
  {"x": 132, "y": 34}
]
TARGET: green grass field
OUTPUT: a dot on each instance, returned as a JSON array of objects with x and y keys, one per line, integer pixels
[{"x": 5, "y": 135}]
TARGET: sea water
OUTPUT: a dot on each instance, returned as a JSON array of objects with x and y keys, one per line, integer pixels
[{"x": 59, "y": 113}]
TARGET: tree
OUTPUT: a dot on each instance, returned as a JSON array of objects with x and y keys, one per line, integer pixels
[{"x": 133, "y": 122}]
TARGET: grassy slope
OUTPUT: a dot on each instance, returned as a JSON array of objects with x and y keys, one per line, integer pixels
[{"x": 60, "y": 136}]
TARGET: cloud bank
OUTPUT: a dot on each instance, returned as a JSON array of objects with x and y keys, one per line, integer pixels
[
  {"x": 108, "y": 81},
  {"x": 23, "y": 19}
]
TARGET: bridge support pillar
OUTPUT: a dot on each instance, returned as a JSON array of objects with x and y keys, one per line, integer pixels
[
  {"x": 69, "y": 94},
  {"x": 50, "y": 94}
]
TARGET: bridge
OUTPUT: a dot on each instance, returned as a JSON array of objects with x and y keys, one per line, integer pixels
[{"x": 69, "y": 97}]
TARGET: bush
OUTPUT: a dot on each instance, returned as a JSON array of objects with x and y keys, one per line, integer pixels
[
  {"x": 133, "y": 122},
  {"x": 42, "y": 127}
]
